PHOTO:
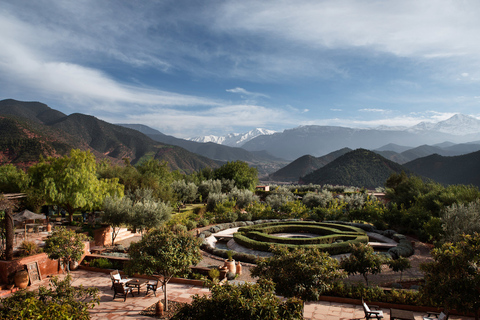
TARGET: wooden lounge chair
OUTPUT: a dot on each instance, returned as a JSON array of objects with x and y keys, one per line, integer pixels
[
  {"x": 436, "y": 316},
  {"x": 117, "y": 278},
  {"x": 121, "y": 290},
  {"x": 152, "y": 285},
  {"x": 369, "y": 313}
]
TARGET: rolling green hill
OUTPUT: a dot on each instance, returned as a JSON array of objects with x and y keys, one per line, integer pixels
[
  {"x": 464, "y": 169},
  {"x": 360, "y": 168},
  {"x": 305, "y": 165}
]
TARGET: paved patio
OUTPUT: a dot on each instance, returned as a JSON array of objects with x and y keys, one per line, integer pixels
[{"x": 131, "y": 308}]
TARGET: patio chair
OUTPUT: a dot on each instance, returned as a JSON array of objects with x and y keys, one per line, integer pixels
[
  {"x": 369, "y": 313},
  {"x": 436, "y": 316},
  {"x": 152, "y": 285},
  {"x": 121, "y": 290},
  {"x": 117, "y": 278}
]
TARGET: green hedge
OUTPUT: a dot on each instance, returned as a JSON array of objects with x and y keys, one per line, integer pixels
[
  {"x": 334, "y": 238},
  {"x": 334, "y": 248}
]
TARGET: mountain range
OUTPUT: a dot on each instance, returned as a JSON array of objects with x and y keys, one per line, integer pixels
[
  {"x": 318, "y": 141},
  {"x": 29, "y": 130}
]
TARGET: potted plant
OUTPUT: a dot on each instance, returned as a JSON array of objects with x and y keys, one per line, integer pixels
[{"x": 230, "y": 263}]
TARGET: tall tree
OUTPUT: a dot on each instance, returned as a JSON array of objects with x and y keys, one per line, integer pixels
[
  {"x": 452, "y": 280},
  {"x": 71, "y": 182},
  {"x": 165, "y": 253},
  {"x": 245, "y": 177},
  {"x": 302, "y": 273}
]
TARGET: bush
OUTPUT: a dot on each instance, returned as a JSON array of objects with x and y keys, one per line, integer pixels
[
  {"x": 29, "y": 248},
  {"x": 191, "y": 224},
  {"x": 241, "y": 302},
  {"x": 102, "y": 263},
  {"x": 203, "y": 222}
]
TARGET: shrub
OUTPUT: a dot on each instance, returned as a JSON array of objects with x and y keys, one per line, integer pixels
[
  {"x": 102, "y": 263},
  {"x": 231, "y": 275},
  {"x": 29, "y": 248},
  {"x": 241, "y": 302},
  {"x": 203, "y": 222},
  {"x": 191, "y": 224}
]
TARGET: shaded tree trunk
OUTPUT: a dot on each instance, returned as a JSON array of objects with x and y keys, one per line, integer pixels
[{"x": 9, "y": 234}]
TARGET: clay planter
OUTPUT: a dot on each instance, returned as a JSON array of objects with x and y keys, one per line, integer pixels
[
  {"x": 21, "y": 279},
  {"x": 230, "y": 264},
  {"x": 239, "y": 268}
]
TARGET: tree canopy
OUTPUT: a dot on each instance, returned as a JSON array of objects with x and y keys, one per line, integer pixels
[
  {"x": 302, "y": 273},
  {"x": 245, "y": 177},
  {"x": 163, "y": 252},
  {"x": 71, "y": 182},
  {"x": 452, "y": 280},
  {"x": 66, "y": 245},
  {"x": 363, "y": 260}
]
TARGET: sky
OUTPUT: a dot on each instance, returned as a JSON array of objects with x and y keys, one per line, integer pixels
[{"x": 194, "y": 68}]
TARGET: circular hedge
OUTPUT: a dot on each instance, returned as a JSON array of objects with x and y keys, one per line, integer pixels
[{"x": 333, "y": 238}]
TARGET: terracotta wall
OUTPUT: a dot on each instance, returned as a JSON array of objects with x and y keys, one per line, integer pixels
[
  {"x": 103, "y": 236},
  {"x": 45, "y": 265}
]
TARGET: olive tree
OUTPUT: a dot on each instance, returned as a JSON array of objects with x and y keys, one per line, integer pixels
[
  {"x": 146, "y": 211},
  {"x": 302, "y": 273},
  {"x": 363, "y": 260},
  {"x": 185, "y": 191},
  {"x": 164, "y": 253},
  {"x": 116, "y": 212},
  {"x": 459, "y": 219}
]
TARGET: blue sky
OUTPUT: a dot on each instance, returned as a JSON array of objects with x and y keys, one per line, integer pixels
[{"x": 191, "y": 68}]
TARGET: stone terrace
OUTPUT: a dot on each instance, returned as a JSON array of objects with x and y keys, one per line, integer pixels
[{"x": 131, "y": 308}]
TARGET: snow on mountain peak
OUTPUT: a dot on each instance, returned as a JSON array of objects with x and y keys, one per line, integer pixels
[
  {"x": 458, "y": 124},
  {"x": 234, "y": 139}
]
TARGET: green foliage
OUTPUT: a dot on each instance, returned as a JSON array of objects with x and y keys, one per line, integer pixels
[
  {"x": 30, "y": 248},
  {"x": 208, "y": 187},
  {"x": 12, "y": 179},
  {"x": 302, "y": 273},
  {"x": 242, "y": 197},
  {"x": 363, "y": 260},
  {"x": 242, "y": 302},
  {"x": 214, "y": 201},
  {"x": 185, "y": 192},
  {"x": 66, "y": 245},
  {"x": 59, "y": 301},
  {"x": 452, "y": 280},
  {"x": 145, "y": 211},
  {"x": 374, "y": 293},
  {"x": 71, "y": 182},
  {"x": 245, "y": 177},
  {"x": 459, "y": 219},
  {"x": 116, "y": 213},
  {"x": 163, "y": 252},
  {"x": 102, "y": 263},
  {"x": 399, "y": 265}
]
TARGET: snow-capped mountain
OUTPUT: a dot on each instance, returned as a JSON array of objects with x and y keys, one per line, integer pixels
[
  {"x": 234, "y": 139},
  {"x": 458, "y": 124}
]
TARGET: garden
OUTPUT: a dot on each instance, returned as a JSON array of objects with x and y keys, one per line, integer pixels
[{"x": 154, "y": 201}]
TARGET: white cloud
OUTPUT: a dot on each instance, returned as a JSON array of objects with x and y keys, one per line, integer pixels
[
  {"x": 220, "y": 119},
  {"x": 374, "y": 110},
  {"x": 244, "y": 92}
]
